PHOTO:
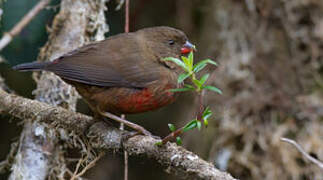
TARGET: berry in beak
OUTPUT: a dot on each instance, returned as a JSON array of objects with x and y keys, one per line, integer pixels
[{"x": 187, "y": 48}]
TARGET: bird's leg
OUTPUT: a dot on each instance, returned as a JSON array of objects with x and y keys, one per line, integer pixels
[{"x": 140, "y": 129}]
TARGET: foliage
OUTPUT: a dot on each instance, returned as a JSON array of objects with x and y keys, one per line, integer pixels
[{"x": 197, "y": 85}]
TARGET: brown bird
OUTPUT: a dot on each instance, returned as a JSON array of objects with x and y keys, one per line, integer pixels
[{"x": 124, "y": 74}]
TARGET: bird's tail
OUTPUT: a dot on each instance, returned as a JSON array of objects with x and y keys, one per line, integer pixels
[{"x": 34, "y": 66}]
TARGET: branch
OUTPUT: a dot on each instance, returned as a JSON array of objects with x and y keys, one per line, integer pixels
[
  {"x": 301, "y": 150},
  {"x": 177, "y": 159},
  {"x": 6, "y": 39}
]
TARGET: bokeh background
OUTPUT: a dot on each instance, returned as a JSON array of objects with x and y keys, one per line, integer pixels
[{"x": 270, "y": 55}]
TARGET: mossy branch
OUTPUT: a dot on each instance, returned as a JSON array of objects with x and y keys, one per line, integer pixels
[{"x": 179, "y": 161}]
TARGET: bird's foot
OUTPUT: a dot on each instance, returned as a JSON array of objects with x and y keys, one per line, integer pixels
[
  {"x": 140, "y": 129},
  {"x": 127, "y": 135}
]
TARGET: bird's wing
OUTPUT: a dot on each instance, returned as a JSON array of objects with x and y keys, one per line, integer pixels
[{"x": 120, "y": 61}]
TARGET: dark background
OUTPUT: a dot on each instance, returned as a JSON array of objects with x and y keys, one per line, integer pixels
[{"x": 271, "y": 73}]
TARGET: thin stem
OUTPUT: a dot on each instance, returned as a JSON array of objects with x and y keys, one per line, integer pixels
[
  {"x": 197, "y": 89},
  {"x": 125, "y": 153},
  {"x": 172, "y": 135},
  {"x": 301, "y": 150},
  {"x": 126, "y": 27},
  {"x": 6, "y": 39},
  {"x": 179, "y": 131},
  {"x": 87, "y": 167},
  {"x": 201, "y": 106}
]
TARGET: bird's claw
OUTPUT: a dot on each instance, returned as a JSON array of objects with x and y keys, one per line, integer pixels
[
  {"x": 147, "y": 133},
  {"x": 131, "y": 134}
]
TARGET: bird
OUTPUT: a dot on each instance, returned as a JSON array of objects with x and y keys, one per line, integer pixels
[{"x": 125, "y": 73}]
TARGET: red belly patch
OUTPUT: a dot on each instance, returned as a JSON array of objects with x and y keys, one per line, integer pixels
[{"x": 145, "y": 100}]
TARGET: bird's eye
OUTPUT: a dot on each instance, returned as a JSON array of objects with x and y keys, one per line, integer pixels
[{"x": 171, "y": 42}]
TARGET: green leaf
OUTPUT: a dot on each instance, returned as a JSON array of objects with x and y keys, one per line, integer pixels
[
  {"x": 206, "y": 113},
  {"x": 189, "y": 86},
  {"x": 191, "y": 59},
  {"x": 206, "y": 116},
  {"x": 212, "y": 88},
  {"x": 197, "y": 83},
  {"x": 204, "y": 78},
  {"x": 182, "y": 77},
  {"x": 181, "y": 89},
  {"x": 178, "y": 140},
  {"x": 199, "y": 125},
  {"x": 190, "y": 125},
  {"x": 171, "y": 127},
  {"x": 206, "y": 122},
  {"x": 199, "y": 66},
  {"x": 177, "y": 61},
  {"x": 159, "y": 143},
  {"x": 186, "y": 61},
  {"x": 209, "y": 61}
]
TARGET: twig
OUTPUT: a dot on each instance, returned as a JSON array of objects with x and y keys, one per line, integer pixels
[
  {"x": 126, "y": 29},
  {"x": 120, "y": 4},
  {"x": 172, "y": 135},
  {"x": 87, "y": 167},
  {"x": 6, "y": 39},
  {"x": 180, "y": 131},
  {"x": 305, "y": 154},
  {"x": 125, "y": 153},
  {"x": 125, "y": 165},
  {"x": 201, "y": 106},
  {"x": 78, "y": 165}
]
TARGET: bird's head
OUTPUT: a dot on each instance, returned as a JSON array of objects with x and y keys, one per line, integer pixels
[{"x": 166, "y": 41}]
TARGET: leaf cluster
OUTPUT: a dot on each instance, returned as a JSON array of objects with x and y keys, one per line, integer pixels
[
  {"x": 187, "y": 64},
  {"x": 197, "y": 85}
]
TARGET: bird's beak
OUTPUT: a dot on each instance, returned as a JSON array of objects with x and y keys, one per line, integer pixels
[{"x": 188, "y": 47}]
